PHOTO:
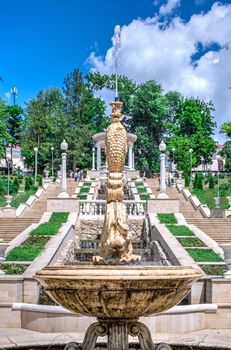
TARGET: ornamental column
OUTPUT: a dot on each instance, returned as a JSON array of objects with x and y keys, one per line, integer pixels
[
  {"x": 93, "y": 158},
  {"x": 130, "y": 156},
  {"x": 98, "y": 157},
  {"x": 63, "y": 193},
  {"x": 162, "y": 148}
]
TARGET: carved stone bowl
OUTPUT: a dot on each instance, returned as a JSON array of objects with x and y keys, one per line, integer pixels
[{"x": 126, "y": 292}]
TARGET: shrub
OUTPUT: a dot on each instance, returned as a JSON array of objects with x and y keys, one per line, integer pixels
[
  {"x": 204, "y": 255},
  {"x": 47, "y": 229},
  {"x": 195, "y": 180},
  {"x": 180, "y": 230},
  {"x": 40, "y": 180},
  {"x": 24, "y": 253},
  {"x": 211, "y": 182},
  {"x": 59, "y": 217},
  {"x": 167, "y": 218},
  {"x": 187, "y": 181},
  {"x": 200, "y": 183}
]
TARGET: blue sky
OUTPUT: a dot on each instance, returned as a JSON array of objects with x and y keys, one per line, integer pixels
[
  {"x": 43, "y": 40},
  {"x": 185, "y": 45}
]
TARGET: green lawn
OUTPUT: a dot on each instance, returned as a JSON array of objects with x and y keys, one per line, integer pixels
[
  {"x": 180, "y": 230},
  {"x": 22, "y": 197},
  {"x": 47, "y": 229},
  {"x": 141, "y": 189},
  {"x": 203, "y": 255},
  {"x": 214, "y": 269},
  {"x": 167, "y": 218},
  {"x": 59, "y": 217},
  {"x": 191, "y": 242},
  {"x": 24, "y": 253},
  {"x": 84, "y": 189},
  {"x": 207, "y": 195},
  {"x": 13, "y": 269},
  {"x": 144, "y": 197}
]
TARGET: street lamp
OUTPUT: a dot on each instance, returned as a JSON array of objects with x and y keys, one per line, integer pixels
[
  {"x": 217, "y": 199},
  {"x": 52, "y": 162},
  {"x": 36, "y": 165},
  {"x": 190, "y": 151},
  {"x": 8, "y": 197},
  {"x": 63, "y": 193},
  {"x": 173, "y": 167},
  {"x": 162, "y": 148}
]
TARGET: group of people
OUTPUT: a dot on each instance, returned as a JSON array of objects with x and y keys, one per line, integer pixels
[{"x": 77, "y": 174}]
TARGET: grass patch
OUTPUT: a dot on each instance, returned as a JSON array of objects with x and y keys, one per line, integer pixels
[
  {"x": 214, "y": 269},
  {"x": 191, "y": 242},
  {"x": 22, "y": 197},
  {"x": 93, "y": 178},
  {"x": 87, "y": 184},
  {"x": 204, "y": 255},
  {"x": 206, "y": 196},
  {"x": 180, "y": 230},
  {"x": 82, "y": 197},
  {"x": 24, "y": 253},
  {"x": 36, "y": 240},
  {"x": 13, "y": 269},
  {"x": 139, "y": 184},
  {"x": 141, "y": 189},
  {"x": 84, "y": 189},
  {"x": 47, "y": 229},
  {"x": 59, "y": 217},
  {"x": 144, "y": 197},
  {"x": 167, "y": 218}
]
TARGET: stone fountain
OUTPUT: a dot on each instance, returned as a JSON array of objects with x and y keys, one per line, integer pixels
[{"x": 117, "y": 288}]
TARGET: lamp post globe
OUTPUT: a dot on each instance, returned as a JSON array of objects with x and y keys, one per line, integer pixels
[
  {"x": 64, "y": 146},
  {"x": 162, "y": 146}
]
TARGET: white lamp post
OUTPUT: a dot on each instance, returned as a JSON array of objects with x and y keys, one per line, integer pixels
[
  {"x": 52, "y": 162},
  {"x": 36, "y": 165},
  {"x": 162, "y": 148},
  {"x": 217, "y": 199},
  {"x": 190, "y": 151},
  {"x": 93, "y": 158},
  {"x": 173, "y": 166},
  {"x": 63, "y": 193},
  {"x": 8, "y": 197}
]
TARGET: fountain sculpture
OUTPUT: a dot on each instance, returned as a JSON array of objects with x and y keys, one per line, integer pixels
[{"x": 114, "y": 290}]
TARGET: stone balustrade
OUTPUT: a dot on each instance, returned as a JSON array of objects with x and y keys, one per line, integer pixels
[{"x": 97, "y": 207}]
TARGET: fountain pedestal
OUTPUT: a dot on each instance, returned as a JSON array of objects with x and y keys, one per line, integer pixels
[{"x": 117, "y": 332}]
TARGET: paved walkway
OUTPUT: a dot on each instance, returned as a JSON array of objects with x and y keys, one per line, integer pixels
[{"x": 17, "y": 337}]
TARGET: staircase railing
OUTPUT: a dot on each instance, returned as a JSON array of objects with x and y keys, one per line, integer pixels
[{"x": 97, "y": 207}]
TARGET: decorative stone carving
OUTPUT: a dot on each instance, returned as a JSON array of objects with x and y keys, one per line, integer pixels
[{"x": 116, "y": 246}]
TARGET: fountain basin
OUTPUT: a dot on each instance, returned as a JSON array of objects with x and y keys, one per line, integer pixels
[{"x": 113, "y": 292}]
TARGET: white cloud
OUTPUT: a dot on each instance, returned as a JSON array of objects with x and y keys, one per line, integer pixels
[
  {"x": 169, "y": 7},
  {"x": 150, "y": 50}
]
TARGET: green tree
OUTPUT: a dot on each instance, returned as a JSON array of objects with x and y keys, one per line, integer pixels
[
  {"x": 226, "y": 151},
  {"x": 85, "y": 116},
  {"x": 193, "y": 128},
  {"x": 14, "y": 122},
  {"x": 5, "y": 136}
]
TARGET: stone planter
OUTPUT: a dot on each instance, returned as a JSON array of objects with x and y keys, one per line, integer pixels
[{"x": 3, "y": 247}]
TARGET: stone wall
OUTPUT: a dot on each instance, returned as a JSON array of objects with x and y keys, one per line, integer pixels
[{"x": 91, "y": 228}]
